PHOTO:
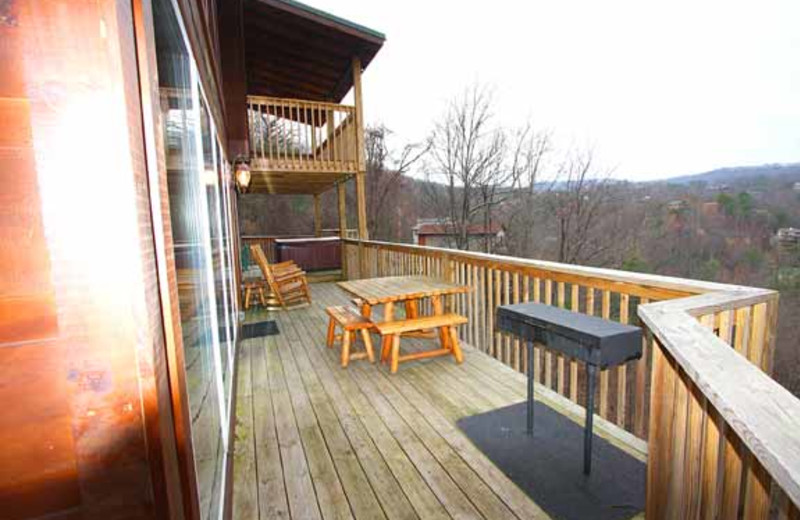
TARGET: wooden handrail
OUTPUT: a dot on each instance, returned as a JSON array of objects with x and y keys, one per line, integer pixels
[
  {"x": 642, "y": 283},
  {"x": 735, "y": 428},
  {"x": 704, "y": 374},
  {"x": 323, "y": 104}
]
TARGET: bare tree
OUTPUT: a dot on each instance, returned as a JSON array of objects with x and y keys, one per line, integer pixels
[
  {"x": 468, "y": 158},
  {"x": 385, "y": 174},
  {"x": 529, "y": 159},
  {"x": 579, "y": 202}
]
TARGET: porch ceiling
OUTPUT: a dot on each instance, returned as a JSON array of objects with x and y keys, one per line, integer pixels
[
  {"x": 295, "y": 51},
  {"x": 300, "y": 183}
]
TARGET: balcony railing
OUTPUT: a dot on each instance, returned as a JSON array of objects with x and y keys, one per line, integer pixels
[
  {"x": 722, "y": 436},
  {"x": 302, "y": 136}
]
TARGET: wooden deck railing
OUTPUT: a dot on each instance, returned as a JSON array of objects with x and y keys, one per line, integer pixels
[
  {"x": 724, "y": 438},
  {"x": 680, "y": 428},
  {"x": 299, "y": 135}
]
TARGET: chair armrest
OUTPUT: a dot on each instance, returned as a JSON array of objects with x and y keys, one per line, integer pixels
[{"x": 281, "y": 277}]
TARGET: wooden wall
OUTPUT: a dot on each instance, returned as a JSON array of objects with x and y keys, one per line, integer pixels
[{"x": 86, "y": 425}]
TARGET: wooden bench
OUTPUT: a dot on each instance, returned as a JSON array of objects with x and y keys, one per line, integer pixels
[
  {"x": 391, "y": 331},
  {"x": 350, "y": 321}
]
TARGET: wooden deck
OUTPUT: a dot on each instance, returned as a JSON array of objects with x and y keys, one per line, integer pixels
[{"x": 314, "y": 440}]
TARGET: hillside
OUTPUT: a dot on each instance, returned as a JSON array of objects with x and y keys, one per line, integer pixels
[{"x": 739, "y": 173}]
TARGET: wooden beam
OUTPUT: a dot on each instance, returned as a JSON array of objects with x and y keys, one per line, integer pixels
[
  {"x": 359, "y": 104},
  {"x": 317, "y": 216},
  {"x": 361, "y": 196}
]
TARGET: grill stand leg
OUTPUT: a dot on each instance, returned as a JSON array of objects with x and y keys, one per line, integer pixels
[
  {"x": 530, "y": 388},
  {"x": 591, "y": 374}
]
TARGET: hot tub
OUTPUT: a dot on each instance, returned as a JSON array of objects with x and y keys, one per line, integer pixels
[{"x": 311, "y": 254}]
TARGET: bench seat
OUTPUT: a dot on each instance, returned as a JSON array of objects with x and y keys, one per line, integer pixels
[
  {"x": 391, "y": 331},
  {"x": 350, "y": 321}
]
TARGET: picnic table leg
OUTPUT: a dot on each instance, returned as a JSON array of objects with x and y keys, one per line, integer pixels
[
  {"x": 438, "y": 310},
  {"x": 388, "y": 311},
  {"x": 366, "y": 310},
  {"x": 455, "y": 347},
  {"x": 346, "y": 338},
  {"x": 591, "y": 373},
  {"x": 412, "y": 309},
  {"x": 331, "y": 332},
  {"x": 386, "y": 348},
  {"x": 530, "y": 388},
  {"x": 395, "y": 352},
  {"x": 368, "y": 345}
]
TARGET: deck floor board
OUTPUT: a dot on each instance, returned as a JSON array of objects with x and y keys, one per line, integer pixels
[{"x": 314, "y": 440}]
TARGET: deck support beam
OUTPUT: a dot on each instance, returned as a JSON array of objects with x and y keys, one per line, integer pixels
[{"x": 361, "y": 195}]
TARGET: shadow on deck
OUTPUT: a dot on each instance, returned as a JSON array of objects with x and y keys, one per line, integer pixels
[{"x": 314, "y": 440}]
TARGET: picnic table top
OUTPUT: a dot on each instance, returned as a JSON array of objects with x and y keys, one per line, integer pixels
[{"x": 375, "y": 291}]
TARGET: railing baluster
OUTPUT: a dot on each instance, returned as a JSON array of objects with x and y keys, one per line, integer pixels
[
  {"x": 497, "y": 347},
  {"x": 476, "y": 294},
  {"x": 548, "y": 356},
  {"x": 641, "y": 384},
  {"x": 622, "y": 370},
  {"x": 757, "y": 491},
  {"x": 515, "y": 295},
  {"x": 694, "y": 432},
  {"x": 713, "y": 464},
  {"x": 755, "y": 349},
  {"x": 606, "y": 314},
  {"x": 660, "y": 450},
  {"x": 506, "y": 301},
  {"x": 561, "y": 375},
  {"x": 526, "y": 296},
  {"x": 573, "y": 364}
]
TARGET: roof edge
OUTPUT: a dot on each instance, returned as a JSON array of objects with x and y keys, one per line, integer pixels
[{"x": 312, "y": 12}]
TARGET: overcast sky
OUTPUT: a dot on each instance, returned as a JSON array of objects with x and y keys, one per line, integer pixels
[{"x": 656, "y": 88}]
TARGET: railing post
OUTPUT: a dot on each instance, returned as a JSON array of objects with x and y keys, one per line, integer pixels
[
  {"x": 768, "y": 355},
  {"x": 447, "y": 264}
]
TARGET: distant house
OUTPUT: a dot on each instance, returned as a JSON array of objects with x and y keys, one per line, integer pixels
[
  {"x": 788, "y": 243},
  {"x": 797, "y": 186},
  {"x": 439, "y": 232},
  {"x": 788, "y": 236},
  {"x": 710, "y": 209}
]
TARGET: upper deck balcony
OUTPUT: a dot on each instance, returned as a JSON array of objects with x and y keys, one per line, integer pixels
[{"x": 293, "y": 135}]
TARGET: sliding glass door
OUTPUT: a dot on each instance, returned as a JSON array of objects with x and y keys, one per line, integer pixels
[{"x": 198, "y": 181}]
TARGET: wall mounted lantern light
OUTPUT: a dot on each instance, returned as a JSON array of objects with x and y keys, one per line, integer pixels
[{"x": 241, "y": 172}]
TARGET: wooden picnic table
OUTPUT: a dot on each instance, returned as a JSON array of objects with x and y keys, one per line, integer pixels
[{"x": 410, "y": 290}]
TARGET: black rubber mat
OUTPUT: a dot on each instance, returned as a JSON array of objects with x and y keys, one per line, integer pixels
[
  {"x": 549, "y": 466},
  {"x": 259, "y": 329}
]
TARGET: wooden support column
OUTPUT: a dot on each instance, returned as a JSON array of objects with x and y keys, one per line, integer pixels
[
  {"x": 342, "y": 196},
  {"x": 361, "y": 195},
  {"x": 317, "y": 216}
]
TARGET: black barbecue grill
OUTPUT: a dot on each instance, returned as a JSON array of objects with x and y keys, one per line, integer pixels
[{"x": 597, "y": 342}]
